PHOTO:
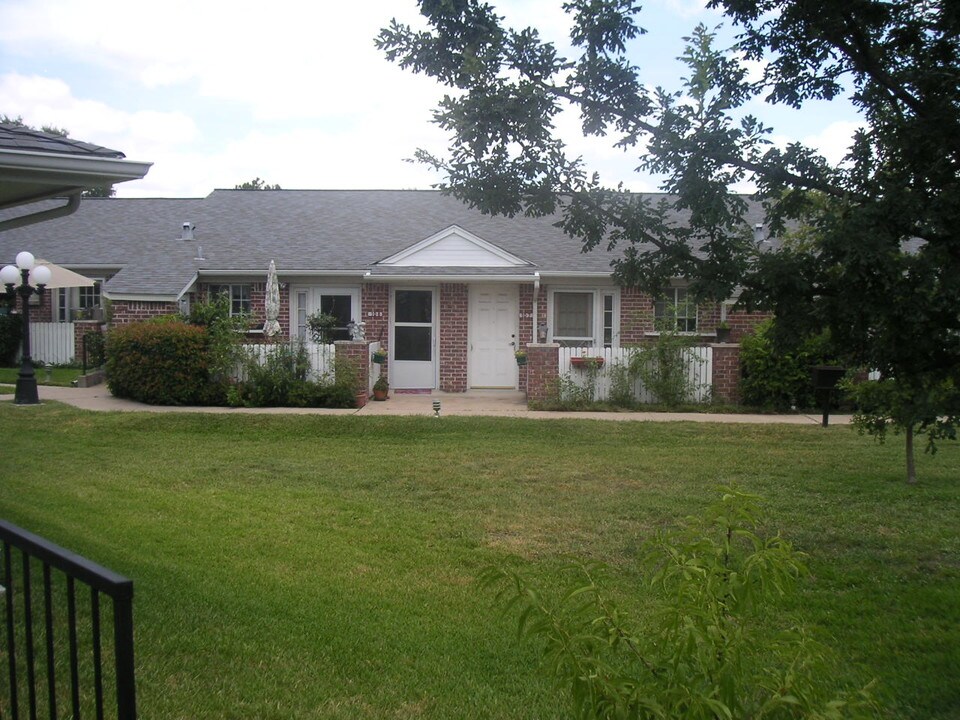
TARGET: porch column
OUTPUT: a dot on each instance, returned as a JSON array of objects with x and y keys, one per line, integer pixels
[
  {"x": 543, "y": 372},
  {"x": 726, "y": 372}
]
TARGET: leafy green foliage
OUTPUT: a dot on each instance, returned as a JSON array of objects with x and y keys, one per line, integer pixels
[
  {"x": 256, "y": 184},
  {"x": 878, "y": 260},
  {"x": 778, "y": 378},
  {"x": 662, "y": 366},
  {"x": 701, "y": 651},
  {"x": 889, "y": 404},
  {"x": 162, "y": 364},
  {"x": 11, "y": 329},
  {"x": 321, "y": 326},
  {"x": 224, "y": 333}
]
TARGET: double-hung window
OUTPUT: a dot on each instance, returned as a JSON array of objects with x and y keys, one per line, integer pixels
[
  {"x": 238, "y": 295},
  {"x": 676, "y": 309},
  {"x": 583, "y": 318}
]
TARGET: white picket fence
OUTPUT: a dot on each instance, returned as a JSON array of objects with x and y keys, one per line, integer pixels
[
  {"x": 699, "y": 366},
  {"x": 51, "y": 342},
  {"x": 320, "y": 357}
]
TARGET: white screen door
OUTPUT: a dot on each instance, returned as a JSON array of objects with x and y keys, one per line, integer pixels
[{"x": 414, "y": 340}]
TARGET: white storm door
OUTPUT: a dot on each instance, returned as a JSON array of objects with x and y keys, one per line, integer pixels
[
  {"x": 494, "y": 312},
  {"x": 414, "y": 340}
]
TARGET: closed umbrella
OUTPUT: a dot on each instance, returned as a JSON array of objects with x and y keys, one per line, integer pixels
[{"x": 272, "y": 302}]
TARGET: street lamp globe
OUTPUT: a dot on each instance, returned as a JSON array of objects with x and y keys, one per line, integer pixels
[
  {"x": 25, "y": 260},
  {"x": 9, "y": 275},
  {"x": 40, "y": 275}
]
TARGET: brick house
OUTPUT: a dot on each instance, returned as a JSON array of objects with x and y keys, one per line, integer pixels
[{"x": 449, "y": 291}]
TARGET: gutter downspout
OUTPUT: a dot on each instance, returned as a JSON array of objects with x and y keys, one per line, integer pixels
[
  {"x": 534, "y": 330},
  {"x": 73, "y": 204}
]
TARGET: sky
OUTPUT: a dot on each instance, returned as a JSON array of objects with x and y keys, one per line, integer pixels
[{"x": 216, "y": 93}]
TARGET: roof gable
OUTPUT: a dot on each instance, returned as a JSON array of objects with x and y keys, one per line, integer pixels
[{"x": 454, "y": 247}]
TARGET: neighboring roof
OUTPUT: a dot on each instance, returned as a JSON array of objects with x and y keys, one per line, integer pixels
[
  {"x": 36, "y": 165},
  {"x": 306, "y": 232}
]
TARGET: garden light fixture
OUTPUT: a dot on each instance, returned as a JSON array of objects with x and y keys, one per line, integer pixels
[{"x": 26, "y": 272}]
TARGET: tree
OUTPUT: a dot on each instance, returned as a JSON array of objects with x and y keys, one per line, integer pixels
[
  {"x": 256, "y": 184},
  {"x": 98, "y": 191},
  {"x": 880, "y": 263}
]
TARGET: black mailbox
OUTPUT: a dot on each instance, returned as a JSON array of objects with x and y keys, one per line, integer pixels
[{"x": 826, "y": 377}]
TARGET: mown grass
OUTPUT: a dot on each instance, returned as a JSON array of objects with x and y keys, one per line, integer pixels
[
  {"x": 58, "y": 376},
  {"x": 323, "y": 567}
]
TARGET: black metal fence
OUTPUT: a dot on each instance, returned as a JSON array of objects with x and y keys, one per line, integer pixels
[
  {"x": 58, "y": 663},
  {"x": 93, "y": 351}
]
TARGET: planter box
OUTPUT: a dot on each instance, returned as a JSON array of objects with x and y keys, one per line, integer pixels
[{"x": 587, "y": 362}]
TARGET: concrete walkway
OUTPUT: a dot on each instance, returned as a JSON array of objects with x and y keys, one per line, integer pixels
[{"x": 478, "y": 402}]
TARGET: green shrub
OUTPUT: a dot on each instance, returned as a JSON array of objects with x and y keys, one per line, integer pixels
[
  {"x": 11, "y": 329},
  {"x": 162, "y": 364},
  {"x": 268, "y": 381},
  {"x": 779, "y": 379}
]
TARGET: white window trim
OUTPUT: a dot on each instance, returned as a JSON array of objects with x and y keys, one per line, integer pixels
[
  {"x": 352, "y": 290},
  {"x": 696, "y": 317},
  {"x": 598, "y": 295}
]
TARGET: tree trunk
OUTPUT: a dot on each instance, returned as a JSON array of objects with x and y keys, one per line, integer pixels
[{"x": 911, "y": 466}]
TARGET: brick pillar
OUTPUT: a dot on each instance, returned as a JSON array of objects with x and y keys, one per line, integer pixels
[
  {"x": 543, "y": 371},
  {"x": 357, "y": 353},
  {"x": 454, "y": 305},
  {"x": 81, "y": 328},
  {"x": 726, "y": 372}
]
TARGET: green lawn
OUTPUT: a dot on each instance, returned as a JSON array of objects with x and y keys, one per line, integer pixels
[
  {"x": 58, "y": 376},
  {"x": 323, "y": 567}
]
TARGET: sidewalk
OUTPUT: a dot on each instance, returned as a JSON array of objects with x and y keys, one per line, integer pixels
[{"x": 483, "y": 402}]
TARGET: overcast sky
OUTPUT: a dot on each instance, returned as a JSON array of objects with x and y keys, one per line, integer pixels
[{"x": 292, "y": 92}]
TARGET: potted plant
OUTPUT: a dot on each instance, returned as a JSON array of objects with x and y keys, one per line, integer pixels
[
  {"x": 380, "y": 356},
  {"x": 723, "y": 332},
  {"x": 380, "y": 388},
  {"x": 521, "y": 356}
]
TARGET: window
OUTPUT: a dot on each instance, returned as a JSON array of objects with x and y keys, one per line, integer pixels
[
  {"x": 90, "y": 296},
  {"x": 341, "y": 307},
  {"x": 676, "y": 306},
  {"x": 584, "y": 318},
  {"x": 238, "y": 295},
  {"x": 573, "y": 318}
]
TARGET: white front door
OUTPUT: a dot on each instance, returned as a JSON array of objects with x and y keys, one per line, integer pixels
[
  {"x": 414, "y": 340},
  {"x": 493, "y": 330}
]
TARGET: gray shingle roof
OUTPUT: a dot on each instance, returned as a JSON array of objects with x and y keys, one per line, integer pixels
[
  {"x": 17, "y": 137},
  {"x": 308, "y": 231}
]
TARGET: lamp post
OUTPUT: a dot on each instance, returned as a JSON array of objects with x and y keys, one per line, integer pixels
[{"x": 25, "y": 272}]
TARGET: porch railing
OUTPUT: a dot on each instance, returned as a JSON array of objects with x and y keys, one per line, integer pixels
[
  {"x": 697, "y": 362},
  {"x": 50, "y": 620}
]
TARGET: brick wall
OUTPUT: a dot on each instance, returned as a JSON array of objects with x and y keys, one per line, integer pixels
[
  {"x": 726, "y": 373},
  {"x": 357, "y": 353},
  {"x": 543, "y": 370},
  {"x": 375, "y": 312},
  {"x": 129, "y": 311},
  {"x": 81, "y": 328},
  {"x": 454, "y": 308},
  {"x": 743, "y": 323},
  {"x": 636, "y": 316}
]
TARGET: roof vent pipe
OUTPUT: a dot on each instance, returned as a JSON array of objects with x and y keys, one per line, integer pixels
[{"x": 186, "y": 232}]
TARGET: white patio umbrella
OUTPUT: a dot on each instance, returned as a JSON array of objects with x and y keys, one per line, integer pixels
[
  {"x": 272, "y": 302},
  {"x": 60, "y": 277}
]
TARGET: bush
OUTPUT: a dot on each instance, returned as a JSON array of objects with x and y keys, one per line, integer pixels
[
  {"x": 11, "y": 328},
  {"x": 162, "y": 364},
  {"x": 279, "y": 380},
  {"x": 779, "y": 379}
]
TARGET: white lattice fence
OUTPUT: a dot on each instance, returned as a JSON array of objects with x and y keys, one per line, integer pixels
[{"x": 698, "y": 362}]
